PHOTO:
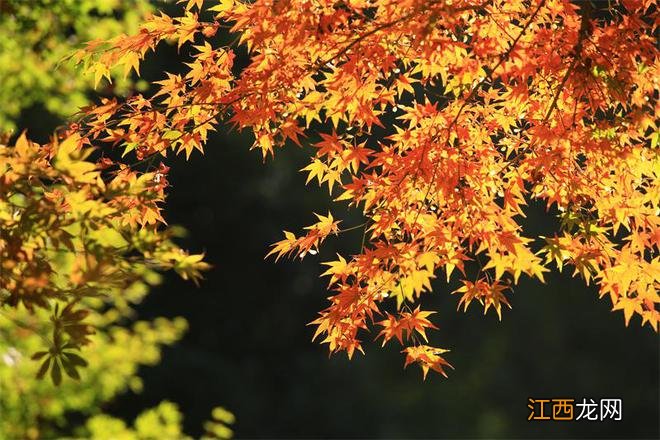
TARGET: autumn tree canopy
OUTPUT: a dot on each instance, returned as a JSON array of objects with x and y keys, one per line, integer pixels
[{"x": 439, "y": 120}]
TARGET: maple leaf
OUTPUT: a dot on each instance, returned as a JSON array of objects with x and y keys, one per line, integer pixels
[
  {"x": 192, "y": 3},
  {"x": 406, "y": 324},
  {"x": 188, "y": 27},
  {"x": 338, "y": 269},
  {"x": 316, "y": 169},
  {"x": 392, "y": 328},
  {"x": 428, "y": 358},
  {"x": 283, "y": 247},
  {"x": 489, "y": 294},
  {"x": 417, "y": 321},
  {"x": 629, "y": 306},
  {"x": 326, "y": 224}
]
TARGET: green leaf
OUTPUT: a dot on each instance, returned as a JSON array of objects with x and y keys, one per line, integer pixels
[
  {"x": 70, "y": 369},
  {"x": 172, "y": 134},
  {"x": 44, "y": 368},
  {"x": 108, "y": 237},
  {"x": 75, "y": 359},
  {"x": 38, "y": 355},
  {"x": 56, "y": 373}
]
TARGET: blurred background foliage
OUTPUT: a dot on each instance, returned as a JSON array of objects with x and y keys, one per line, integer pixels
[
  {"x": 36, "y": 35},
  {"x": 38, "y": 90},
  {"x": 249, "y": 348}
]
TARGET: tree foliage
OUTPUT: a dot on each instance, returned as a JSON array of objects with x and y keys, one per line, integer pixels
[
  {"x": 439, "y": 120},
  {"x": 36, "y": 36},
  {"x": 71, "y": 272},
  {"x": 76, "y": 256},
  {"x": 68, "y": 236}
]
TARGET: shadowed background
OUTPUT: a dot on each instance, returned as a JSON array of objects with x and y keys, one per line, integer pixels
[{"x": 249, "y": 348}]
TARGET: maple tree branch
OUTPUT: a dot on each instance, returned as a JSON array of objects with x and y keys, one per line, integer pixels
[
  {"x": 582, "y": 36},
  {"x": 351, "y": 228},
  {"x": 400, "y": 20},
  {"x": 471, "y": 96},
  {"x": 343, "y": 51},
  {"x": 577, "y": 51}
]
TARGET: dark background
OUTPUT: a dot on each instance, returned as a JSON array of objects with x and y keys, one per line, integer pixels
[{"x": 249, "y": 348}]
